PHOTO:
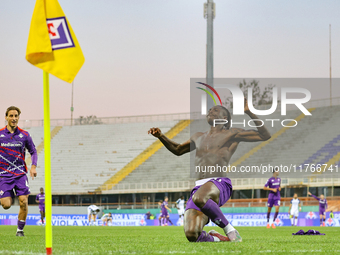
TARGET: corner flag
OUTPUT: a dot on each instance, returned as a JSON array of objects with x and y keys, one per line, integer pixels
[{"x": 52, "y": 45}]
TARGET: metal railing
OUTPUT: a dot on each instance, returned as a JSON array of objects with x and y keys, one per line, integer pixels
[
  {"x": 93, "y": 120},
  {"x": 232, "y": 203},
  {"x": 174, "y": 186},
  {"x": 258, "y": 183},
  {"x": 238, "y": 184}
]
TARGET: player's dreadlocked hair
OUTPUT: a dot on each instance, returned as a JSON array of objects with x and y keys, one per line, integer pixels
[
  {"x": 11, "y": 108},
  {"x": 228, "y": 115}
]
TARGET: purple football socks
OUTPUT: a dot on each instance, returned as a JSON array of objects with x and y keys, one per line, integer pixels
[
  {"x": 213, "y": 211},
  {"x": 275, "y": 216},
  {"x": 21, "y": 225},
  {"x": 205, "y": 237}
]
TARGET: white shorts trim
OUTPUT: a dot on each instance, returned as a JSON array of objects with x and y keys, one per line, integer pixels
[{"x": 203, "y": 181}]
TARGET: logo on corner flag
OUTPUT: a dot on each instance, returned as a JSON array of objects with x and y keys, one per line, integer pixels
[{"x": 59, "y": 33}]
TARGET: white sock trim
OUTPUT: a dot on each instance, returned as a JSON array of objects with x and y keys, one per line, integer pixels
[
  {"x": 216, "y": 239},
  {"x": 227, "y": 229}
]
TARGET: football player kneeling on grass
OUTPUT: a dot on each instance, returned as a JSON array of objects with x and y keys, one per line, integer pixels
[
  {"x": 92, "y": 212},
  {"x": 107, "y": 219}
]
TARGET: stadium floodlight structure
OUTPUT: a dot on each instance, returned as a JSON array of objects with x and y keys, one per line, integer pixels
[{"x": 209, "y": 14}]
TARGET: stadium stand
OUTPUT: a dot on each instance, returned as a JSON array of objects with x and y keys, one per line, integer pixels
[
  {"x": 36, "y": 136},
  {"x": 273, "y": 136},
  {"x": 328, "y": 154},
  {"x": 334, "y": 205},
  {"x": 175, "y": 169},
  {"x": 88, "y": 158},
  {"x": 296, "y": 145},
  {"x": 85, "y": 156},
  {"x": 161, "y": 167},
  {"x": 141, "y": 158}
]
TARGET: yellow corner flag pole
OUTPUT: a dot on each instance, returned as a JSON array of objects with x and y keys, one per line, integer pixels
[
  {"x": 53, "y": 47},
  {"x": 47, "y": 146}
]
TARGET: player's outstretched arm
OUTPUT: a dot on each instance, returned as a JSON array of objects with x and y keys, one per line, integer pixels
[
  {"x": 261, "y": 134},
  {"x": 175, "y": 148},
  {"x": 313, "y": 196}
]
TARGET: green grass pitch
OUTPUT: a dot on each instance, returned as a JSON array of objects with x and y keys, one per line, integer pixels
[{"x": 165, "y": 240}]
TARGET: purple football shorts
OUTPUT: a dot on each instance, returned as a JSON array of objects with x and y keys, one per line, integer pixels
[
  {"x": 222, "y": 183},
  {"x": 19, "y": 185},
  {"x": 273, "y": 200}
]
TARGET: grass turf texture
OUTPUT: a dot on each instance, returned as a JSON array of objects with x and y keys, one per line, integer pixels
[{"x": 165, "y": 240}]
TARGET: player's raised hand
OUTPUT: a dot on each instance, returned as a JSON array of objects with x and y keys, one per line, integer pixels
[
  {"x": 33, "y": 172},
  {"x": 309, "y": 193},
  {"x": 156, "y": 132}
]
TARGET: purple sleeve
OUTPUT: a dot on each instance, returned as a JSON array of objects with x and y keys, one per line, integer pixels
[
  {"x": 267, "y": 183},
  {"x": 315, "y": 197},
  {"x": 31, "y": 149},
  {"x": 37, "y": 197}
]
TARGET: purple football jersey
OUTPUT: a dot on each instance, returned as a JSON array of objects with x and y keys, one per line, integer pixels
[
  {"x": 12, "y": 152},
  {"x": 322, "y": 203},
  {"x": 163, "y": 206},
  {"x": 41, "y": 198},
  {"x": 274, "y": 183}
]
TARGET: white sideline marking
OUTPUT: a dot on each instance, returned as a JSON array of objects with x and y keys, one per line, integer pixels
[{"x": 22, "y": 252}]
